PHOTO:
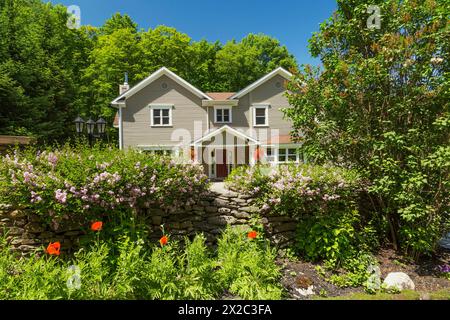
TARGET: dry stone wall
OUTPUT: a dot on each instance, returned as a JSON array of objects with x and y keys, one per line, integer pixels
[{"x": 27, "y": 232}]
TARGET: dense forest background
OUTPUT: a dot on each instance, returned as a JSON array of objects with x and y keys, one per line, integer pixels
[{"x": 50, "y": 73}]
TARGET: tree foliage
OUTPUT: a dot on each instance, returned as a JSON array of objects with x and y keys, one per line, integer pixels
[
  {"x": 50, "y": 73},
  {"x": 40, "y": 58},
  {"x": 381, "y": 104}
]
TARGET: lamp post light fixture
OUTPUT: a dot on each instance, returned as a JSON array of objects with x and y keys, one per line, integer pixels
[
  {"x": 101, "y": 125},
  {"x": 79, "y": 124},
  {"x": 90, "y": 128}
]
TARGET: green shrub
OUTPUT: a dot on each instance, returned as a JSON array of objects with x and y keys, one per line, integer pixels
[
  {"x": 355, "y": 271},
  {"x": 381, "y": 104},
  {"x": 331, "y": 238}
]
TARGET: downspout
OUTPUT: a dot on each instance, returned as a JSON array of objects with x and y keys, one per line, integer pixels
[{"x": 120, "y": 128}]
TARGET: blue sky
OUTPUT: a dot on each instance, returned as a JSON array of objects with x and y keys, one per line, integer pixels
[{"x": 290, "y": 21}]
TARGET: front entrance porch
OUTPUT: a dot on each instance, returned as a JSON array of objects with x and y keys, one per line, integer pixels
[{"x": 223, "y": 150}]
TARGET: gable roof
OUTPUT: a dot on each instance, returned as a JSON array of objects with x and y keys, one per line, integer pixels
[
  {"x": 222, "y": 129},
  {"x": 279, "y": 71},
  {"x": 220, "y": 95},
  {"x": 156, "y": 75}
]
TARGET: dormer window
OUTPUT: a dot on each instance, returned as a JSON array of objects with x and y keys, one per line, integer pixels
[{"x": 222, "y": 114}]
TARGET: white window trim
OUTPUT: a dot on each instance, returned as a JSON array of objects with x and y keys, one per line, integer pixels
[
  {"x": 223, "y": 107},
  {"x": 161, "y": 107},
  {"x": 297, "y": 155},
  {"x": 261, "y": 106},
  {"x": 276, "y": 153}
]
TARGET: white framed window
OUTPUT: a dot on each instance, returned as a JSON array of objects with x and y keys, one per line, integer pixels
[
  {"x": 160, "y": 150},
  {"x": 286, "y": 155},
  {"x": 260, "y": 115},
  {"x": 270, "y": 154},
  {"x": 223, "y": 114},
  {"x": 161, "y": 115}
]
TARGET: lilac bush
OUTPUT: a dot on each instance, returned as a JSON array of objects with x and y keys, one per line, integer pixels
[
  {"x": 298, "y": 189},
  {"x": 444, "y": 270},
  {"x": 96, "y": 181}
]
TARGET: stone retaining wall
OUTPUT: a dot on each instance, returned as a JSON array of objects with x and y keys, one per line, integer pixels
[
  {"x": 215, "y": 212},
  {"x": 26, "y": 232}
]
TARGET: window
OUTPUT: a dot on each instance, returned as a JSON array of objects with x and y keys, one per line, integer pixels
[
  {"x": 261, "y": 115},
  {"x": 288, "y": 155},
  {"x": 161, "y": 116},
  {"x": 291, "y": 155},
  {"x": 222, "y": 114},
  {"x": 160, "y": 151},
  {"x": 282, "y": 155},
  {"x": 270, "y": 155}
]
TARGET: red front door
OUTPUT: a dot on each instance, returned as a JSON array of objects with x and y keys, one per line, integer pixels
[{"x": 221, "y": 163}]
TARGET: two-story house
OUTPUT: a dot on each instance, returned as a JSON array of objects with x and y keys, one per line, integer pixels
[{"x": 221, "y": 130}]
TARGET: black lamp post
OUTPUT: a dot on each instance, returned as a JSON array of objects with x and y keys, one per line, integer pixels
[
  {"x": 101, "y": 125},
  {"x": 90, "y": 128},
  {"x": 79, "y": 124}
]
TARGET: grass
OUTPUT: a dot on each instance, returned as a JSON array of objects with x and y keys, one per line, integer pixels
[{"x": 443, "y": 294}]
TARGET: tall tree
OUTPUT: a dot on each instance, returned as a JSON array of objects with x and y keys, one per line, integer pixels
[
  {"x": 382, "y": 104},
  {"x": 117, "y": 22},
  {"x": 240, "y": 63},
  {"x": 38, "y": 69}
]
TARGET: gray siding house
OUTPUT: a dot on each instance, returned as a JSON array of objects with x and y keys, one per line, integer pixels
[{"x": 221, "y": 130}]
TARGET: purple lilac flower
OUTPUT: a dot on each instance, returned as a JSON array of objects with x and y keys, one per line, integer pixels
[
  {"x": 61, "y": 196},
  {"x": 52, "y": 159},
  {"x": 27, "y": 177},
  {"x": 444, "y": 268}
]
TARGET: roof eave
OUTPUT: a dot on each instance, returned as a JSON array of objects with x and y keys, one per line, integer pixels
[{"x": 279, "y": 71}]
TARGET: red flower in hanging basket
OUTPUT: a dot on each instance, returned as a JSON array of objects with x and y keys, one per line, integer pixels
[
  {"x": 97, "y": 226},
  {"x": 54, "y": 248},
  {"x": 163, "y": 241},
  {"x": 252, "y": 234}
]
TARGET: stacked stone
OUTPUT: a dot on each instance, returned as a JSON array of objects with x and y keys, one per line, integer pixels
[{"x": 27, "y": 232}]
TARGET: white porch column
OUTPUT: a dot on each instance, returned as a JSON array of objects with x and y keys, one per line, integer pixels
[{"x": 251, "y": 154}]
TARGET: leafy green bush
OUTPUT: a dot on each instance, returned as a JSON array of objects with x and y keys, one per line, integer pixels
[
  {"x": 381, "y": 105},
  {"x": 325, "y": 199},
  {"x": 330, "y": 238}
]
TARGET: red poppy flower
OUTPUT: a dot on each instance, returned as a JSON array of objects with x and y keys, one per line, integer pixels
[
  {"x": 97, "y": 226},
  {"x": 163, "y": 241},
  {"x": 252, "y": 234},
  {"x": 53, "y": 248}
]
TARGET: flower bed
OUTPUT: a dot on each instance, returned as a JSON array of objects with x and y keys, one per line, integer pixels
[
  {"x": 93, "y": 182},
  {"x": 297, "y": 190},
  {"x": 243, "y": 266}
]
